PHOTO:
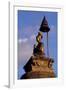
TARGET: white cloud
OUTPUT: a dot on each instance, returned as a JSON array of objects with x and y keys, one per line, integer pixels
[
  {"x": 24, "y": 52},
  {"x": 23, "y": 40}
]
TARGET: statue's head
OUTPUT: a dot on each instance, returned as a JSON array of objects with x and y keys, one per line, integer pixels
[{"x": 39, "y": 37}]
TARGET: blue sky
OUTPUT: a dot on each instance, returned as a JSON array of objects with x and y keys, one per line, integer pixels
[{"x": 28, "y": 27}]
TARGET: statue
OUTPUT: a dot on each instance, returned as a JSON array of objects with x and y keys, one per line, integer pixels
[{"x": 39, "y": 48}]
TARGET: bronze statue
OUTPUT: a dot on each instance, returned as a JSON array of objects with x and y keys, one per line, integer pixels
[{"x": 39, "y": 48}]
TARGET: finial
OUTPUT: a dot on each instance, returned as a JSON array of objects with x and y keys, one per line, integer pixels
[{"x": 44, "y": 25}]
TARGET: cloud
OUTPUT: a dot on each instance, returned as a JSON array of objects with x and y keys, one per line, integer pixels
[
  {"x": 29, "y": 39},
  {"x": 24, "y": 51},
  {"x": 23, "y": 40}
]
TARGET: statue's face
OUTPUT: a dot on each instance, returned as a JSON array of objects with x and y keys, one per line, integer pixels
[{"x": 40, "y": 38}]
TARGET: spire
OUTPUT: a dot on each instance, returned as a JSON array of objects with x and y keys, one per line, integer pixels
[
  {"x": 45, "y": 28},
  {"x": 44, "y": 25}
]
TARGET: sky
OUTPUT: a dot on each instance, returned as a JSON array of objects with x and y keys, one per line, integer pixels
[{"x": 28, "y": 27}]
